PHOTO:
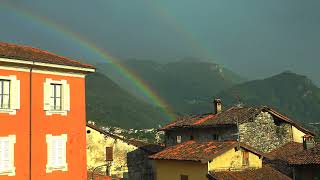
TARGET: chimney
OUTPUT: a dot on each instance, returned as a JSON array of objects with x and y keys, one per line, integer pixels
[
  {"x": 217, "y": 106},
  {"x": 308, "y": 142}
]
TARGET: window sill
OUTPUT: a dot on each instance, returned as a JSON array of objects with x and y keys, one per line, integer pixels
[
  {"x": 51, "y": 112},
  {"x": 50, "y": 169},
  {"x": 11, "y": 172},
  {"x": 9, "y": 111}
]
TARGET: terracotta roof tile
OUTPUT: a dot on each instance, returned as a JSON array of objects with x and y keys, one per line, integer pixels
[
  {"x": 27, "y": 53},
  {"x": 229, "y": 117},
  {"x": 264, "y": 173},
  {"x": 286, "y": 151},
  {"x": 306, "y": 157},
  {"x": 198, "y": 151}
]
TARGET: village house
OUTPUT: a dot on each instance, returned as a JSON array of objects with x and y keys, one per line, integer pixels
[
  {"x": 107, "y": 150},
  {"x": 228, "y": 144},
  {"x": 306, "y": 163},
  {"x": 42, "y": 115},
  {"x": 193, "y": 160},
  {"x": 262, "y": 128}
]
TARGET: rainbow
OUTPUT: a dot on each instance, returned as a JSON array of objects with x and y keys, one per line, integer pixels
[
  {"x": 121, "y": 69},
  {"x": 172, "y": 21}
]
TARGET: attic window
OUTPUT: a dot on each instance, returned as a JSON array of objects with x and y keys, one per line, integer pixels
[
  {"x": 184, "y": 177},
  {"x": 178, "y": 139},
  {"x": 215, "y": 137},
  {"x": 88, "y": 131}
]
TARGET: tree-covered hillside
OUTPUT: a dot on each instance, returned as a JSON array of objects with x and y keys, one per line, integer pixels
[
  {"x": 288, "y": 92},
  {"x": 110, "y": 105}
]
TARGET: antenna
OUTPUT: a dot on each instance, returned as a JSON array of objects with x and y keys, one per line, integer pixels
[{"x": 239, "y": 99}]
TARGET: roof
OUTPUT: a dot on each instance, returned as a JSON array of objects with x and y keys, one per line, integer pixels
[
  {"x": 232, "y": 116},
  {"x": 27, "y": 53},
  {"x": 199, "y": 151},
  {"x": 266, "y": 172},
  {"x": 286, "y": 151},
  {"x": 306, "y": 157},
  {"x": 133, "y": 142}
]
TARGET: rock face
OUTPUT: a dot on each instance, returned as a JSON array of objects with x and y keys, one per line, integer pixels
[{"x": 264, "y": 134}]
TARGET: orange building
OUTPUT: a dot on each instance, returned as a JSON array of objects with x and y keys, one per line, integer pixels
[{"x": 42, "y": 115}]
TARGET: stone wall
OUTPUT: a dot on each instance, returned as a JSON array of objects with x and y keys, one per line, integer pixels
[
  {"x": 263, "y": 134},
  {"x": 140, "y": 166},
  {"x": 201, "y": 134}
]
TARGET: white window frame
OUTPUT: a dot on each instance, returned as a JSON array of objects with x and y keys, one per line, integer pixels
[
  {"x": 14, "y": 103},
  {"x": 65, "y": 97},
  {"x": 12, "y": 170},
  {"x": 50, "y": 167},
  {"x": 179, "y": 139}
]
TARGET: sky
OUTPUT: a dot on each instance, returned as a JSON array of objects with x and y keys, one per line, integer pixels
[{"x": 255, "y": 39}]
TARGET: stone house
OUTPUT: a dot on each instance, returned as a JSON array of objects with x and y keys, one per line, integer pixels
[
  {"x": 260, "y": 127},
  {"x": 97, "y": 141},
  {"x": 297, "y": 160}
]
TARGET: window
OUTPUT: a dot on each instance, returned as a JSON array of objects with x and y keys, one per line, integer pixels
[
  {"x": 7, "y": 155},
  {"x": 184, "y": 177},
  {"x": 56, "y": 97},
  {"x": 9, "y": 94},
  {"x": 4, "y": 94},
  {"x": 55, "y": 103},
  {"x": 56, "y": 153},
  {"x": 178, "y": 139},
  {"x": 245, "y": 158},
  {"x": 215, "y": 137}
]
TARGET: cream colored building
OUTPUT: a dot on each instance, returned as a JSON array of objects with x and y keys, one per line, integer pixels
[{"x": 98, "y": 140}]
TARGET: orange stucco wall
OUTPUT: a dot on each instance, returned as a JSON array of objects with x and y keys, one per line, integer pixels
[{"x": 73, "y": 125}]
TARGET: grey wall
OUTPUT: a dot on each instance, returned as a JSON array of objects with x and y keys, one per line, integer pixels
[{"x": 200, "y": 134}]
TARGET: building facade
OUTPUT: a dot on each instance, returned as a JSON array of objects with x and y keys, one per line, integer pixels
[
  {"x": 259, "y": 127},
  {"x": 42, "y": 115}
]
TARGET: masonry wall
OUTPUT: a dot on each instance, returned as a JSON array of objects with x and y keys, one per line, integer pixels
[
  {"x": 72, "y": 124},
  {"x": 140, "y": 166},
  {"x": 172, "y": 170},
  {"x": 264, "y": 134},
  {"x": 233, "y": 160},
  {"x": 297, "y": 135},
  {"x": 96, "y": 154},
  {"x": 201, "y": 134},
  {"x": 18, "y": 125}
]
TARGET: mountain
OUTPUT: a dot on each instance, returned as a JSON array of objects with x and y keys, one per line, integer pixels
[
  {"x": 290, "y": 93},
  {"x": 187, "y": 85},
  {"x": 110, "y": 105}
]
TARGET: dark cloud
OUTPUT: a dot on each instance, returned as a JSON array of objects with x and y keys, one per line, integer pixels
[{"x": 253, "y": 38}]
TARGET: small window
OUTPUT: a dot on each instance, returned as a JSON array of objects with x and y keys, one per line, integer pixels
[
  {"x": 245, "y": 158},
  {"x": 55, "y": 102},
  {"x": 184, "y": 177},
  {"x": 7, "y": 155},
  {"x": 4, "y": 94},
  {"x": 191, "y": 138},
  {"x": 215, "y": 137},
  {"x": 178, "y": 139},
  {"x": 56, "y": 153}
]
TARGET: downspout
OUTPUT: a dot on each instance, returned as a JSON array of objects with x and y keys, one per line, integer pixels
[{"x": 30, "y": 121}]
